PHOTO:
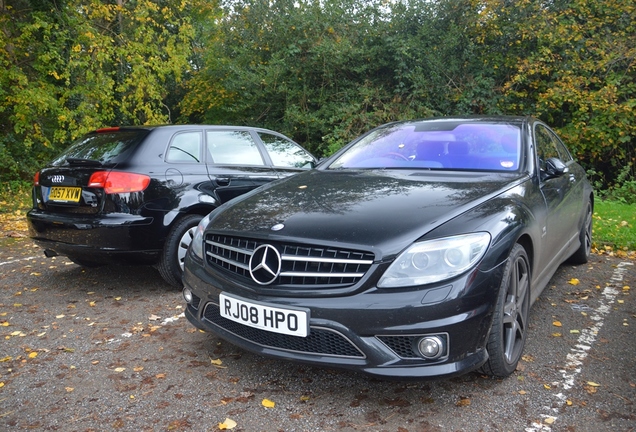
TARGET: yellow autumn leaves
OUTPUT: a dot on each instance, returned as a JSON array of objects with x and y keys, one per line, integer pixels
[
  {"x": 227, "y": 424},
  {"x": 231, "y": 424},
  {"x": 268, "y": 403}
]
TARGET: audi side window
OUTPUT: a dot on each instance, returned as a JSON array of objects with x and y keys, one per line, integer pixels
[
  {"x": 185, "y": 147},
  {"x": 285, "y": 153},
  {"x": 233, "y": 148}
]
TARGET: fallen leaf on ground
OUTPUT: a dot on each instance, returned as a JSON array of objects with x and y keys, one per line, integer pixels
[
  {"x": 218, "y": 363},
  {"x": 227, "y": 424},
  {"x": 463, "y": 402},
  {"x": 590, "y": 389},
  {"x": 574, "y": 281},
  {"x": 268, "y": 403},
  {"x": 557, "y": 324}
]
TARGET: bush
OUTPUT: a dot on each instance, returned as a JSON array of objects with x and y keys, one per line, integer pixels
[{"x": 622, "y": 190}]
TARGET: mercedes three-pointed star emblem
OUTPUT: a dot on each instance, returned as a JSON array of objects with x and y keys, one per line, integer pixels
[{"x": 265, "y": 264}]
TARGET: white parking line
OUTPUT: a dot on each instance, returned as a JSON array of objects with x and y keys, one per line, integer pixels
[
  {"x": 580, "y": 351},
  {"x": 165, "y": 322},
  {"x": 18, "y": 260}
]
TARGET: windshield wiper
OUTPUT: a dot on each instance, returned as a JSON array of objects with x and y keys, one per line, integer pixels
[{"x": 87, "y": 162}]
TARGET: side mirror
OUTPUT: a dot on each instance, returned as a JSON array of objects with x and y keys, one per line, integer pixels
[{"x": 554, "y": 167}]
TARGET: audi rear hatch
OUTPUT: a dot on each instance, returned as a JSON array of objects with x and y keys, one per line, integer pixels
[{"x": 77, "y": 181}]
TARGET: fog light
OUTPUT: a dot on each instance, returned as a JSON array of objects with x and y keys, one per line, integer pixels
[
  {"x": 431, "y": 347},
  {"x": 187, "y": 295}
]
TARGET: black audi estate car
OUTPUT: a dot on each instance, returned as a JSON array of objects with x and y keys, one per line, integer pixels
[
  {"x": 134, "y": 195},
  {"x": 415, "y": 251}
]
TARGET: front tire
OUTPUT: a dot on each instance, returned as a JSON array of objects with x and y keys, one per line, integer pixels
[
  {"x": 174, "y": 251},
  {"x": 510, "y": 324}
]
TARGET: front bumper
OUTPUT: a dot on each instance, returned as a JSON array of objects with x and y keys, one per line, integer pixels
[{"x": 374, "y": 331}]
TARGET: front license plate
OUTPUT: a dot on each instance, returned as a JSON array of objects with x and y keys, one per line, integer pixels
[
  {"x": 67, "y": 194},
  {"x": 292, "y": 322}
]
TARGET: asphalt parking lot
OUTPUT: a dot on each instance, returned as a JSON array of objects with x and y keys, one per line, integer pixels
[{"x": 109, "y": 349}]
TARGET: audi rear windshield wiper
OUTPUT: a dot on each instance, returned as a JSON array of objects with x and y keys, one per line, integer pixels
[{"x": 80, "y": 161}]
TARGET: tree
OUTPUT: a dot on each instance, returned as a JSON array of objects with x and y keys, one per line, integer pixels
[
  {"x": 71, "y": 66},
  {"x": 573, "y": 64}
]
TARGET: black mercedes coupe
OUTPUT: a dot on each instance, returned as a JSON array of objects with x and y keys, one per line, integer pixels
[{"x": 416, "y": 251}]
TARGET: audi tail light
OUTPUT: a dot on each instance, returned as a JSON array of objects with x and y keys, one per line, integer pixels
[
  {"x": 36, "y": 179},
  {"x": 118, "y": 181}
]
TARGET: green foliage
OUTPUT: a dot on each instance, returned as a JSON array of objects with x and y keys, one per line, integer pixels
[
  {"x": 15, "y": 195},
  {"x": 69, "y": 67},
  {"x": 622, "y": 189},
  {"x": 321, "y": 71},
  {"x": 326, "y": 71},
  {"x": 573, "y": 67},
  {"x": 614, "y": 225}
]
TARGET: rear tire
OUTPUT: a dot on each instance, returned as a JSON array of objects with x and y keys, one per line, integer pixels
[
  {"x": 174, "y": 251},
  {"x": 582, "y": 255},
  {"x": 510, "y": 324}
]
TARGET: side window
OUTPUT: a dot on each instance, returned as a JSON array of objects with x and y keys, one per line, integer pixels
[
  {"x": 546, "y": 146},
  {"x": 185, "y": 147},
  {"x": 564, "y": 154},
  {"x": 233, "y": 148},
  {"x": 285, "y": 153}
]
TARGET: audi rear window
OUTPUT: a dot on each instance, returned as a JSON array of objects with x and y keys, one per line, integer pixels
[{"x": 105, "y": 148}]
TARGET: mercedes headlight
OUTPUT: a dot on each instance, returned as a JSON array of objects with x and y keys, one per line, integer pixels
[
  {"x": 197, "y": 242},
  {"x": 435, "y": 260}
]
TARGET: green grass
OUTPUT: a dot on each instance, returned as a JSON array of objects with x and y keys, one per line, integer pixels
[{"x": 614, "y": 226}]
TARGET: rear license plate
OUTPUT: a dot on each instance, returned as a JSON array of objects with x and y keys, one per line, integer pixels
[
  {"x": 67, "y": 194},
  {"x": 292, "y": 322}
]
